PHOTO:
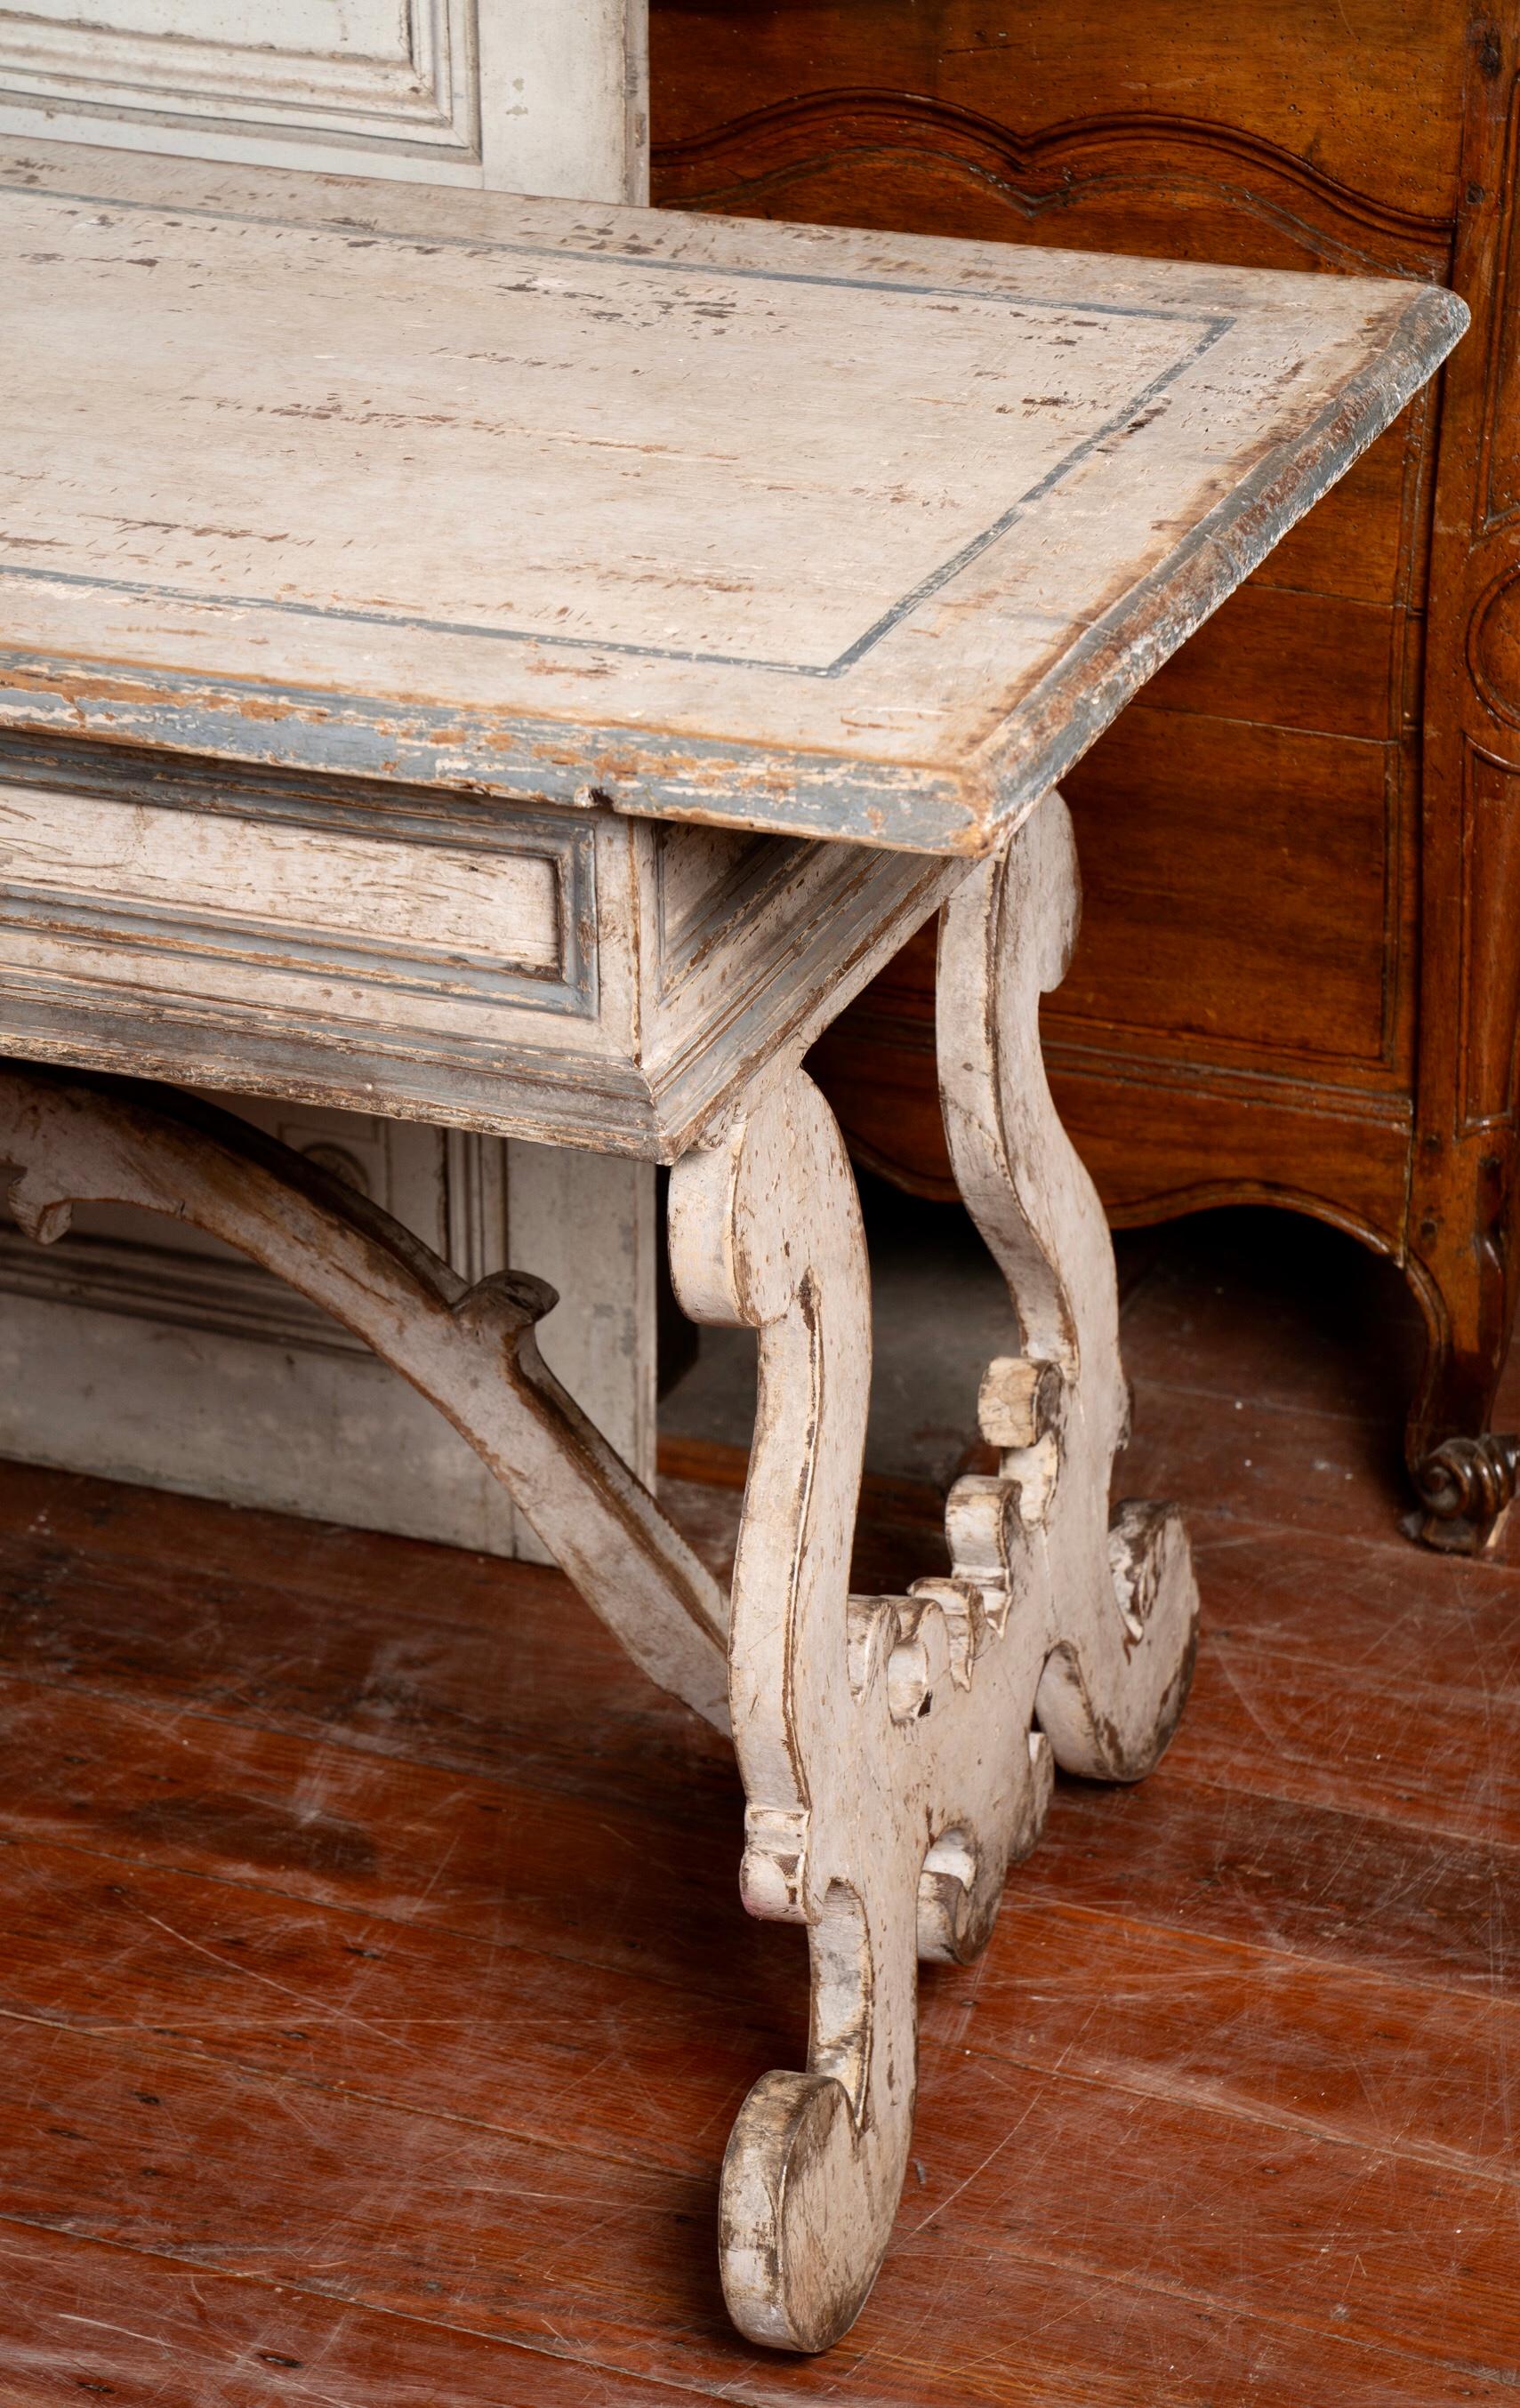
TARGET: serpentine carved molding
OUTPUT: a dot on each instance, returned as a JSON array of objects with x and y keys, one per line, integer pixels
[{"x": 757, "y": 157}]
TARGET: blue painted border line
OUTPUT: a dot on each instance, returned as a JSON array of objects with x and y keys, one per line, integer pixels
[{"x": 1211, "y": 327}]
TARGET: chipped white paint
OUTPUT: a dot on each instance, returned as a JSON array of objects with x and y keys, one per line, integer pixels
[
  {"x": 588, "y": 1225},
  {"x": 898, "y": 1752},
  {"x": 240, "y": 1389},
  {"x": 433, "y": 904},
  {"x": 548, "y": 975},
  {"x": 228, "y": 938},
  {"x": 770, "y": 526}
]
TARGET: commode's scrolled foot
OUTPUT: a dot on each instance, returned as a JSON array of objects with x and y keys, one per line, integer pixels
[
  {"x": 1465, "y": 1489},
  {"x": 1464, "y": 1243}
]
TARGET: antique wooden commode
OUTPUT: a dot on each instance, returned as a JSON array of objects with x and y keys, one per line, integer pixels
[{"x": 525, "y": 666}]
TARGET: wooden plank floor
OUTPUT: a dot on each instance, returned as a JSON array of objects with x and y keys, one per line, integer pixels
[{"x": 376, "y": 1995}]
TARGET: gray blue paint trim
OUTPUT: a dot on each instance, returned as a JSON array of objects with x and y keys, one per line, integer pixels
[
  {"x": 1215, "y": 559},
  {"x": 631, "y": 252},
  {"x": 566, "y": 844},
  {"x": 165, "y": 934},
  {"x": 915, "y": 808},
  {"x": 353, "y": 1054},
  {"x": 1210, "y": 327}
]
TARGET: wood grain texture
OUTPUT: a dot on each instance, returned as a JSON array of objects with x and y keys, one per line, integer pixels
[
  {"x": 1329, "y": 1148},
  {"x": 1369, "y": 134},
  {"x": 375, "y": 2088}
]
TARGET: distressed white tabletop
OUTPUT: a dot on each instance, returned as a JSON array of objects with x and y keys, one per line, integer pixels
[{"x": 773, "y": 526}]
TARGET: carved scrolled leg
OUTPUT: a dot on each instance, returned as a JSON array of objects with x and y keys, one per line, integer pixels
[
  {"x": 471, "y": 1350},
  {"x": 898, "y": 1752},
  {"x": 1123, "y": 1602},
  {"x": 766, "y": 1231}
]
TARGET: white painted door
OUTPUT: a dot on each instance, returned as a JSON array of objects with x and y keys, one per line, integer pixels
[{"x": 517, "y": 96}]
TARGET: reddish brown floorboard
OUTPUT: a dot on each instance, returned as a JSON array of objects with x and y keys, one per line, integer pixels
[{"x": 374, "y": 1997}]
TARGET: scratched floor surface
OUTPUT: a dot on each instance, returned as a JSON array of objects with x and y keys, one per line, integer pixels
[{"x": 376, "y": 1996}]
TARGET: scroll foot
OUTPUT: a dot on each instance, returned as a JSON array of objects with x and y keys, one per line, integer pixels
[{"x": 1467, "y": 1487}]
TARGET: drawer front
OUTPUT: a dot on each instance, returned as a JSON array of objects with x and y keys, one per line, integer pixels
[{"x": 411, "y": 926}]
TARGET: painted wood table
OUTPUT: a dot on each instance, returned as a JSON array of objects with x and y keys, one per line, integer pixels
[{"x": 526, "y": 665}]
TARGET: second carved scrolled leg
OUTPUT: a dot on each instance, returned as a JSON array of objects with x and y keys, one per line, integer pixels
[{"x": 1123, "y": 1605}]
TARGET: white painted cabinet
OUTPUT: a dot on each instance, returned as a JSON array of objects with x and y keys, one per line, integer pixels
[
  {"x": 517, "y": 96},
  {"x": 240, "y": 1390}
]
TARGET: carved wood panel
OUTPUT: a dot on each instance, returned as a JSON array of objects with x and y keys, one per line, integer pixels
[
  {"x": 1368, "y": 91},
  {"x": 1489, "y": 986},
  {"x": 1462, "y": 1229},
  {"x": 1259, "y": 957},
  {"x": 1371, "y": 132}
]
